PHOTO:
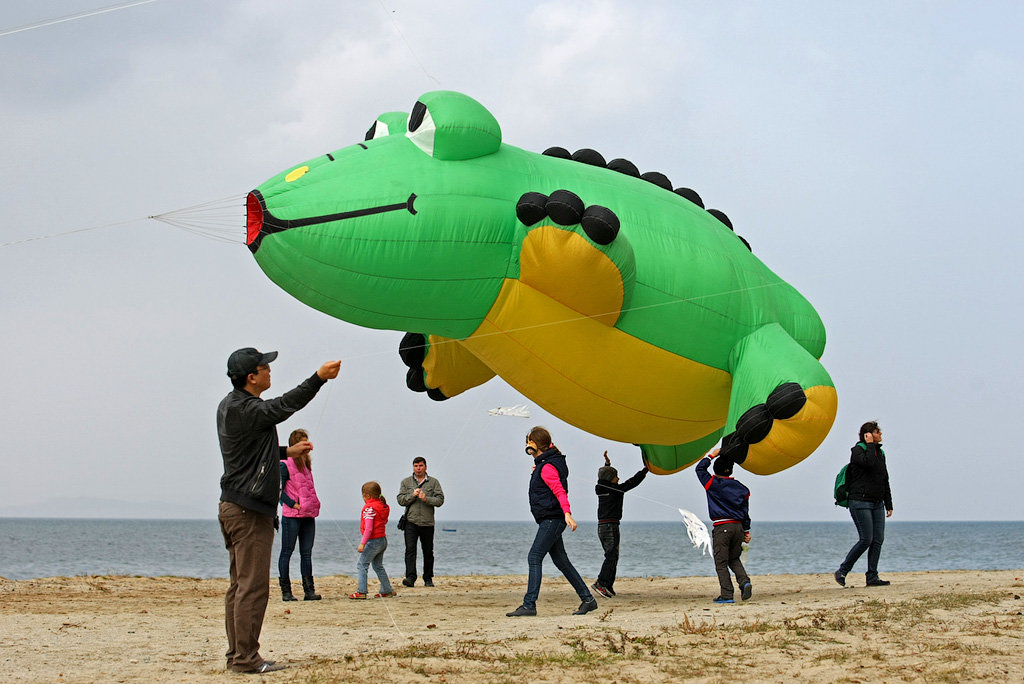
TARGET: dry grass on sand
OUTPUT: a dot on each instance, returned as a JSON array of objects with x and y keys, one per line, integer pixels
[{"x": 927, "y": 627}]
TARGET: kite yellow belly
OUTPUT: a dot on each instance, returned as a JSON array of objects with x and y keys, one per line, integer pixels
[{"x": 595, "y": 376}]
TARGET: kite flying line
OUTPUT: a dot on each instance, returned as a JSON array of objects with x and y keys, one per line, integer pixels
[
  {"x": 216, "y": 220},
  {"x": 407, "y": 46},
  {"x": 384, "y": 602},
  {"x": 68, "y": 232},
  {"x": 220, "y": 220},
  {"x": 72, "y": 17}
]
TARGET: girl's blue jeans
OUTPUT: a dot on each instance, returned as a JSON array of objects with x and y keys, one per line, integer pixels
[{"x": 373, "y": 554}]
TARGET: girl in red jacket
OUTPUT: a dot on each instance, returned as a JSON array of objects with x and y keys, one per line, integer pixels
[{"x": 373, "y": 522}]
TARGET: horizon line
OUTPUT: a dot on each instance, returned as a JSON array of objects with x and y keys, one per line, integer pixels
[{"x": 477, "y": 521}]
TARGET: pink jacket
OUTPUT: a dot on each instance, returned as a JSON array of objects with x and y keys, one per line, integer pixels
[
  {"x": 300, "y": 488},
  {"x": 549, "y": 474}
]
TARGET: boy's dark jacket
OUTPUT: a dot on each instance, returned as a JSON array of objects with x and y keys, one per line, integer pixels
[
  {"x": 727, "y": 498},
  {"x": 867, "y": 477},
  {"x": 609, "y": 496}
]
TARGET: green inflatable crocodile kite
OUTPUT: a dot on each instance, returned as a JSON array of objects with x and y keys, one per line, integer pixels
[{"x": 611, "y": 300}]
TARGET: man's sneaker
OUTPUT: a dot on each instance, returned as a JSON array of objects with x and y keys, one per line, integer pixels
[
  {"x": 522, "y": 611},
  {"x": 746, "y": 591},
  {"x": 408, "y": 582},
  {"x": 840, "y": 578},
  {"x": 722, "y": 599},
  {"x": 878, "y": 583},
  {"x": 586, "y": 607},
  {"x": 428, "y": 583},
  {"x": 611, "y": 590},
  {"x": 267, "y": 666},
  {"x": 601, "y": 590}
]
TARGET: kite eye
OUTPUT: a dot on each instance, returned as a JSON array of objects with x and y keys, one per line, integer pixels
[
  {"x": 389, "y": 123},
  {"x": 451, "y": 126},
  {"x": 422, "y": 129},
  {"x": 377, "y": 129}
]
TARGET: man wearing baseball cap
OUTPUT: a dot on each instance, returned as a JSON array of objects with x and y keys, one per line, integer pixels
[{"x": 250, "y": 489}]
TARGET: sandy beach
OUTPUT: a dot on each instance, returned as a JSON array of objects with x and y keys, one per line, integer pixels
[{"x": 927, "y": 626}]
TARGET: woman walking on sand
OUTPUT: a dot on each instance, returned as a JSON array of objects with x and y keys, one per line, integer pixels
[
  {"x": 299, "y": 508},
  {"x": 867, "y": 479},
  {"x": 549, "y": 503}
]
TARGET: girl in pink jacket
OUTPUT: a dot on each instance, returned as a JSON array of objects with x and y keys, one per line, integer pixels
[{"x": 373, "y": 521}]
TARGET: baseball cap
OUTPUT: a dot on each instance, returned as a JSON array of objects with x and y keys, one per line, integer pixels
[{"x": 245, "y": 361}]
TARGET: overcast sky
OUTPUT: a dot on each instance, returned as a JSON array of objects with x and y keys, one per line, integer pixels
[{"x": 871, "y": 153}]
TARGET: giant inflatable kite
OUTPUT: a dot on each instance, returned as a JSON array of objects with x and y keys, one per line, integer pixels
[{"x": 611, "y": 300}]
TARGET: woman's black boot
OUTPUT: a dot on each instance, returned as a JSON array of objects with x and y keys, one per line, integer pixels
[
  {"x": 286, "y": 589},
  {"x": 309, "y": 590}
]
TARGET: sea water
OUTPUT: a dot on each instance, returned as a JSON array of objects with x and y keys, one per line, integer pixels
[{"x": 31, "y": 548}]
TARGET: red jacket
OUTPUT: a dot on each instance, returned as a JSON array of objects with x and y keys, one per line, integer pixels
[{"x": 373, "y": 520}]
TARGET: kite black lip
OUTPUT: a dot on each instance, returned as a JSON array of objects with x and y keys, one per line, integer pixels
[{"x": 260, "y": 222}]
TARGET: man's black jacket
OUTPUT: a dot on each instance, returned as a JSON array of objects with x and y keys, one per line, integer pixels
[{"x": 247, "y": 428}]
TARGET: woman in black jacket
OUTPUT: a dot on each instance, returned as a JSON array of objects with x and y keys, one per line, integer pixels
[{"x": 870, "y": 502}]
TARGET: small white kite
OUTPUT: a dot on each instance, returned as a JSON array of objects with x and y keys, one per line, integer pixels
[
  {"x": 519, "y": 411},
  {"x": 697, "y": 531}
]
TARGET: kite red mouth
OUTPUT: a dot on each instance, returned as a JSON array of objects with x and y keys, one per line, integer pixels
[
  {"x": 253, "y": 218},
  {"x": 261, "y": 222}
]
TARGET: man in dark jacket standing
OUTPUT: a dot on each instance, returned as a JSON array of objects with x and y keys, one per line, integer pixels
[
  {"x": 867, "y": 480},
  {"x": 609, "y": 513},
  {"x": 250, "y": 490},
  {"x": 729, "y": 509}
]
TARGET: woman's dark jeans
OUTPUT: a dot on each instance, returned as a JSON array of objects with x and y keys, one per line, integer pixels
[
  {"x": 869, "y": 517},
  {"x": 304, "y": 529},
  {"x": 549, "y": 541}
]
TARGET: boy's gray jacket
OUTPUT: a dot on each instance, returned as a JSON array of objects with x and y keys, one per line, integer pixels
[{"x": 421, "y": 511}]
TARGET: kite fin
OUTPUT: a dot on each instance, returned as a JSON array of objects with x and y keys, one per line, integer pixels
[
  {"x": 782, "y": 403},
  {"x": 440, "y": 366},
  {"x": 665, "y": 460}
]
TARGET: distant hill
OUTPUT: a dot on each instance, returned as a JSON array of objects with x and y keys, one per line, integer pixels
[{"x": 92, "y": 507}]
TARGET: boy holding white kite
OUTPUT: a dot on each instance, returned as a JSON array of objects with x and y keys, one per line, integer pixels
[{"x": 730, "y": 519}]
